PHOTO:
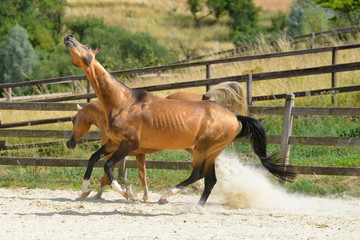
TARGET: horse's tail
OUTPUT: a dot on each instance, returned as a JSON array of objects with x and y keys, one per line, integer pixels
[
  {"x": 229, "y": 94},
  {"x": 253, "y": 128}
]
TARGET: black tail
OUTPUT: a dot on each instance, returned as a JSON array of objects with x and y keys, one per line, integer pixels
[{"x": 253, "y": 128}]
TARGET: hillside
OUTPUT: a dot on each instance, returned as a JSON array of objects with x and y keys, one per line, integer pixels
[{"x": 169, "y": 21}]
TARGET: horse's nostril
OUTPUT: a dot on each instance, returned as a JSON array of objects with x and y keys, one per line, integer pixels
[{"x": 68, "y": 36}]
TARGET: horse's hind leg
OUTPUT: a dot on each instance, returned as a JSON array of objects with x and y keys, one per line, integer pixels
[
  {"x": 210, "y": 180},
  {"x": 196, "y": 174},
  {"x": 140, "y": 160},
  {"x": 121, "y": 152}
]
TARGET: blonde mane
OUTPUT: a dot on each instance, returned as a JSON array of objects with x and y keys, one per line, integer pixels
[{"x": 231, "y": 95}]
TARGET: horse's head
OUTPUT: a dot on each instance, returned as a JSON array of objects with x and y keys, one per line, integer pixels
[
  {"x": 81, "y": 55},
  {"x": 81, "y": 127}
]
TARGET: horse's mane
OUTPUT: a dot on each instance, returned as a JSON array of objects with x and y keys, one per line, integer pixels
[{"x": 231, "y": 95}]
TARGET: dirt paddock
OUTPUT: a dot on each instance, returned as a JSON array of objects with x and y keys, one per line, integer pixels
[{"x": 242, "y": 206}]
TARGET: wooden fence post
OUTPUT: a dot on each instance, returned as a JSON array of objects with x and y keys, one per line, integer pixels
[
  {"x": 312, "y": 40},
  {"x": 334, "y": 75},
  {"x": 208, "y": 75},
  {"x": 122, "y": 172},
  {"x": 8, "y": 94},
  {"x": 287, "y": 129},
  {"x": 249, "y": 89}
]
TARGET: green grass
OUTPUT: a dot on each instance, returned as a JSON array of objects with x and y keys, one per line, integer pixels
[{"x": 159, "y": 180}]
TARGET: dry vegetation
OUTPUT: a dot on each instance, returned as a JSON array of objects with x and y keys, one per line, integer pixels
[{"x": 158, "y": 18}]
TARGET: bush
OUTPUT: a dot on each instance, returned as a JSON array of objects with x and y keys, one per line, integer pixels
[
  {"x": 120, "y": 49},
  {"x": 306, "y": 17},
  {"x": 78, "y": 25},
  {"x": 18, "y": 56},
  {"x": 42, "y": 19}
]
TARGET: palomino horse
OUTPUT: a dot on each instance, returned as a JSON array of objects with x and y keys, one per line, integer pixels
[
  {"x": 139, "y": 119},
  {"x": 229, "y": 94}
]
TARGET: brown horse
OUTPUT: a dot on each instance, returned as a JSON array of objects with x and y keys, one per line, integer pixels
[
  {"x": 138, "y": 119},
  {"x": 230, "y": 94}
]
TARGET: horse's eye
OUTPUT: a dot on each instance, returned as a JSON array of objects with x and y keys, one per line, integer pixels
[{"x": 87, "y": 46}]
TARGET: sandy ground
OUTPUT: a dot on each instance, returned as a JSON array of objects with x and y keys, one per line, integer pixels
[{"x": 258, "y": 210}]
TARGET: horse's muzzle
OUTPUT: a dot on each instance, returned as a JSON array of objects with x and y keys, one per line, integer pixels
[
  {"x": 69, "y": 40},
  {"x": 71, "y": 144}
]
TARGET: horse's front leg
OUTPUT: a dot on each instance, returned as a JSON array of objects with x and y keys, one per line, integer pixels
[
  {"x": 140, "y": 160},
  {"x": 104, "y": 182},
  {"x": 85, "y": 191},
  {"x": 121, "y": 152}
]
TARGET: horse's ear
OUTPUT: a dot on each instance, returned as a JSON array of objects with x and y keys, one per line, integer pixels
[
  {"x": 97, "y": 50},
  {"x": 79, "y": 107}
]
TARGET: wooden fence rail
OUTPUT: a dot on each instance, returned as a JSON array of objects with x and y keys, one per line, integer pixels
[
  {"x": 285, "y": 139},
  {"x": 245, "y": 78},
  {"x": 297, "y": 39},
  {"x": 208, "y": 64}
]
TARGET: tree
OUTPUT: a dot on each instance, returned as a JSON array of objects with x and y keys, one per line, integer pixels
[
  {"x": 347, "y": 11},
  {"x": 195, "y": 7},
  {"x": 244, "y": 15},
  {"x": 41, "y": 18},
  {"x": 306, "y": 17},
  {"x": 18, "y": 56}
]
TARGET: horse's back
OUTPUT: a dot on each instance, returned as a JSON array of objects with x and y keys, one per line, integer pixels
[{"x": 190, "y": 96}]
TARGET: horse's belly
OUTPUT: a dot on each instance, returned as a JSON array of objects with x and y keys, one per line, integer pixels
[{"x": 167, "y": 141}]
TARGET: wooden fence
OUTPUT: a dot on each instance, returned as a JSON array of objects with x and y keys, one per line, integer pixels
[
  {"x": 285, "y": 140},
  {"x": 311, "y": 37},
  {"x": 332, "y": 69},
  {"x": 288, "y": 111}
]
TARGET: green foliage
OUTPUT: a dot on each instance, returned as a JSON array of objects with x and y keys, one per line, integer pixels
[
  {"x": 316, "y": 19},
  {"x": 120, "y": 49},
  {"x": 218, "y": 7},
  {"x": 42, "y": 19},
  {"x": 195, "y": 7},
  {"x": 354, "y": 132},
  {"x": 244, "y": 21},
  {"x": 306, "y": 186},
  {"x": 54, "y": 64},
  {"x": 18, "y": 56},
  {"x": 244, "y": 16},
  {"x": 306, "y": 17},
  {"x": 78, "y": 25},
  {"x": 278, "y": 23},
  {"x": 347, "y": 12}
]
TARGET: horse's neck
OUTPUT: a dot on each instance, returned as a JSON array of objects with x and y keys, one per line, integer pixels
[
  {"x": 95, "y": 115},
  {"x": 111, "y": 93}
]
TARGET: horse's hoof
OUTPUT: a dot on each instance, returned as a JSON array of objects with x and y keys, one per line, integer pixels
[
  {"x": 84, "y": 195},
  {"x": 133, "y": 197},
  {"x": 145, "y": 198},
  {"x": 97, "y": 196},
  {"x": 163, "y": 201},
  {"x": 125, "y": 194}
]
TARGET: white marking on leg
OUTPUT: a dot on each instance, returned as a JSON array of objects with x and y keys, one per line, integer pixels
[
  {"x": 85, "y": 185},
  {"x": 85, "y": 191},
  {"x": 117, "y": 187},
  {"x": 172, "y": 191},
  {"x": 146, "y": 193}
]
